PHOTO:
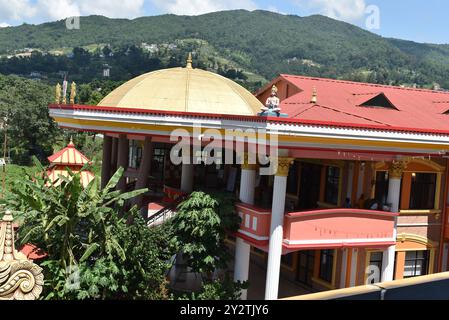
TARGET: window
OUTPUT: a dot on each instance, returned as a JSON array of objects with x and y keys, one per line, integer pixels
[
  {"x": 416, "y": 264},
  {"x": 157, "y": 163},
  {"x": 332, "y": 185},
  {"x": 292, "y": 180},
  {"x": 135, "y": 154},
  {"x": 382, "y": 186},
  {"x": 379, "y": 101},
  {"x": 375, "y": 263},
  {"x": 422, "y": 192},
  {"x": 326, "y": 265}
]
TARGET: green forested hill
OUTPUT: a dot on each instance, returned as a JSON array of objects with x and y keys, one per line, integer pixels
[{"x": 261, "y": 42}]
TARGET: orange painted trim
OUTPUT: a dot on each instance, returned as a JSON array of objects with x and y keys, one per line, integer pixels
[
  {"x": 406, "y": 189},
  {"x": 400, "y": 264}
]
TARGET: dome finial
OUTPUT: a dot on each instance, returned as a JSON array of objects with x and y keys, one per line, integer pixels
[
  {"x": 189, "y": 61},
  {"x": 71, "y": 144}
]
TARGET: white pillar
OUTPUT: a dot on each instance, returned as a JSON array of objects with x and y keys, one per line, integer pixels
[
  {"x": 388, "y": 264},
  {"x": 247, "y": 186},
  {"x": 276, "y": 229},
  {"x": 394, "y": 193},
  {"x": 187, "y": 178},
  {"x": 241, "y": 264},
  {"x": 353, "y": 275},
  {"x": 242, "y": 248},
  {"x": 344, "y": 268}
]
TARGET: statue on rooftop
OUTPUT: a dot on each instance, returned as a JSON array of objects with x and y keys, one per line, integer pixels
[
  {"x": 272, "y": 105},
  {"x": 273, "y": 102}
]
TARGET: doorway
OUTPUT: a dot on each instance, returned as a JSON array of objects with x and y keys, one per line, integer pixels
[
  {"x": 309, "y": 193},
  {"x": 306, "y": 262}
]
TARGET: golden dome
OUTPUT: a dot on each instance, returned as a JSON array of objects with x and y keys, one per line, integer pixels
[{"x": 184, "y": 90}]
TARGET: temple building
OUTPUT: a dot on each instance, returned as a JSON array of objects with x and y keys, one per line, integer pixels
[
  {"x": 359, "y": 193},
  {"x": 68, "y": 158}
]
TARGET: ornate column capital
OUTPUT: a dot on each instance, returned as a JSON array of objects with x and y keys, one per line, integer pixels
[
  {"x": 282, "y": 165},
  {"x": 397, "y": 169},
  {"x": 247, "y": 164}
]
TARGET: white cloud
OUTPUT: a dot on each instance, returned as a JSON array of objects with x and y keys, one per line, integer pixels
[
  {"x": 57, "y": 9},
  {"x": 4, "y": 25},
  {"x": 44, "y": 10},
  {"x": 196, "y": 7},
  {"x": 16, "y": 10},
  {"x": 346, "y": 10},
  {"x": 113, "y": 8},
  {"x": 275, "y": 10}
]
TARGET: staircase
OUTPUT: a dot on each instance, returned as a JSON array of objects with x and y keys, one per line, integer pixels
[{"x": 160, "y": 212}]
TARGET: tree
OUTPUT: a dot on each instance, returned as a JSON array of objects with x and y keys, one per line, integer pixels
[
  {"x": 31, "y": 131},
  {"x": 87, "y": 231},
  {"x": 199, "y": 231}
]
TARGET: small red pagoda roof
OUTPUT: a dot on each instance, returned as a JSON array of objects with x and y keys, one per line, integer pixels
[
  {"x": 68, "y": 156},
  {"x": 55, "y": 173},
  {"x": 32, "y": 252}
]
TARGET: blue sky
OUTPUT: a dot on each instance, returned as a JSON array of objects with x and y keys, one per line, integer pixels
[{"x": 417, "y": 20}]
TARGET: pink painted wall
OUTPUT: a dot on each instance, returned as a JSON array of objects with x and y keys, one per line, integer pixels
[{"x": 339, "y": 225}]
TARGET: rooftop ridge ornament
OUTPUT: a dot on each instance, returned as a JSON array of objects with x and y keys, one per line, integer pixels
[
  {"x": 58, "y": 93},
  {"x": 272, "y": 105},
  {"x": 189, "y": 61},
  {"x": 72, "y": 93},
  {"x": 20, "y": 279},
  {"x": 314, "y": 96}
]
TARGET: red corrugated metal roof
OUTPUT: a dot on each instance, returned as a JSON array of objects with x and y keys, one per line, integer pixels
[{"x": 339, "y": 101}]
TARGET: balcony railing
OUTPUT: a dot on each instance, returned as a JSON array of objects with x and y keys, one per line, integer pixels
[{"x": 330, "y": 228}]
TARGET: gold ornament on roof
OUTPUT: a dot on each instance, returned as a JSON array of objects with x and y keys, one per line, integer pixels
[
  {"x": 72, "y": 93},
  {"x": 314, "y": 96},
  {"x": 189, "y": 61},
  {"x": 20, "y": 279},
  {"x": 58, "y": 94}
]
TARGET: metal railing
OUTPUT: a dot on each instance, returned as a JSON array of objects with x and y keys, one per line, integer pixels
[{"x": 165, "y": 213}]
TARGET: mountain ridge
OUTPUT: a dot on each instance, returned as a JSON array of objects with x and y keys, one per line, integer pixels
[{"x": 264, "y": 42}]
